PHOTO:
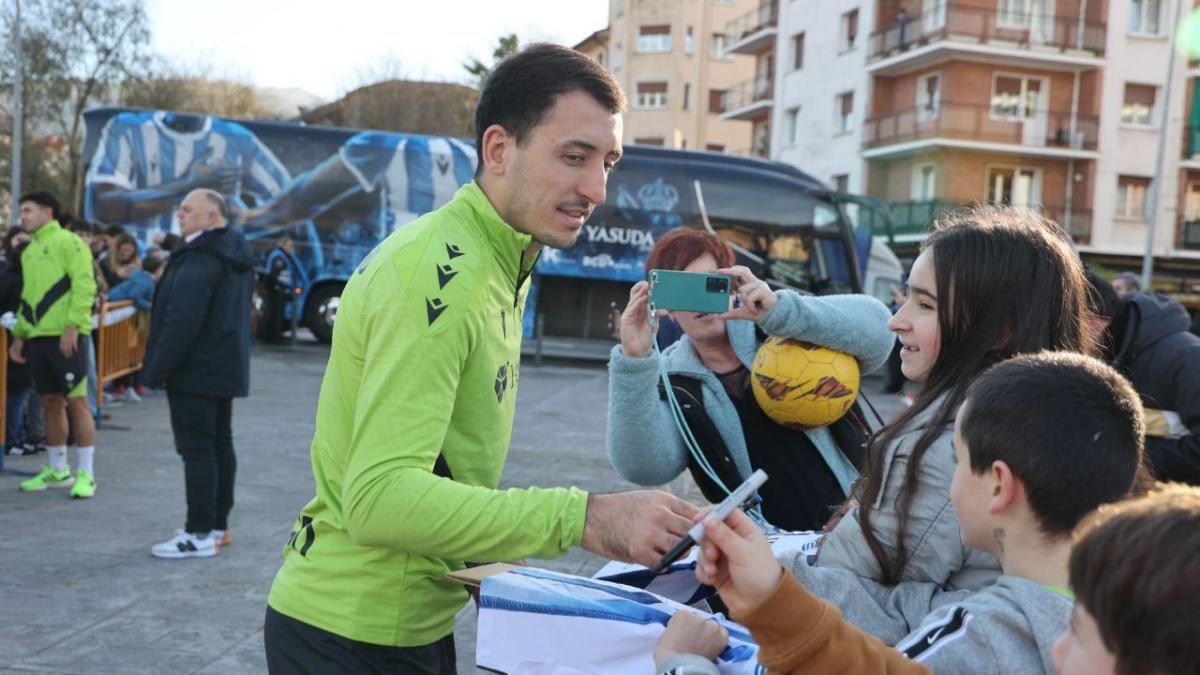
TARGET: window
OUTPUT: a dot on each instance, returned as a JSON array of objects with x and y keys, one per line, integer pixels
[
  {"x": 618, "y": 54},
  {"x": 1145, "y": 16},
  {"x": 722, "y": 2},
  {"x": 1017, "y": 13},
  {"x": 689, "y": 42},
  {"x": 654, "y": 39},
  {"x": 761, "y": 146},
  {"x": 797, "y": 51},
  {"x": 1014, "y": 186},
  {"x": 1016, "y": 97},
  {"x": 715, "y": 147},
  {"x": 921, "y": 189},
  {"x": 1191, "y": 202},
  {"x": 649, "y": 140},
  {"x": 620, "y": 4},
  {"x": 687, "y": 95},
  {"x": 1139, "y": 104},
  {"x": 929, "y": 96},
  {"x": 652, "y": 95},
  {"x": 845, "y": 112},
  {"x": 1131, "y": 196},
  {"x": 719, "y": 41},
  {"x": 716, "y": 101},
  {"x": 791, "y": 126},
  {"x": 841, "y": 182},
  {"x": 849, "y": 30}
]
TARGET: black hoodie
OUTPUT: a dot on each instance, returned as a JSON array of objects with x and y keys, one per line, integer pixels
[
  {"x": 200, "y": 322},
  {"x": 1154, "y": 349}
]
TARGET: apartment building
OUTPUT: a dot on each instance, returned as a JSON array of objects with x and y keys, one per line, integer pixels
[
  {"x": 753, "y": 34},
  {"x": 669, "y": 57},
  {"x": 1052, "y": 104}
]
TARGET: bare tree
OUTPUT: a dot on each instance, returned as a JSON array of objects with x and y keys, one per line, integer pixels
[
  {"x": 193, "y": 89},
  {"x": 76, "y": 53}
]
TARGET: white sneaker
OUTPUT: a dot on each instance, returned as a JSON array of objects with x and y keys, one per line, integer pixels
[
  {"x": 185, "y": 545},
  {"x": 131, "y": 396}
]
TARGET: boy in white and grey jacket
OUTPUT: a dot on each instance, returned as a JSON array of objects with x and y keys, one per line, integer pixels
[{"x": 1041, "y": 442}]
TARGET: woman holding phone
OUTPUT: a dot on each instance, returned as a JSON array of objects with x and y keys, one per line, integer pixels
[{"x": 709, "y": 370}]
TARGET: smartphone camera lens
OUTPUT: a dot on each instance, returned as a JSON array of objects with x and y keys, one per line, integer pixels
[{"x": 716, "y": 285}]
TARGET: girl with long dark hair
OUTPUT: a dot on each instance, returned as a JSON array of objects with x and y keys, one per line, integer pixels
[{"x": 989, "y": 284}]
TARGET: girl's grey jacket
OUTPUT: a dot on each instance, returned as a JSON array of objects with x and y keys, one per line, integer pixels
[{"x": 644, "y": 444}]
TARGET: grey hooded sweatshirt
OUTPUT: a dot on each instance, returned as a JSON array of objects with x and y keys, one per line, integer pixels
[{"x": 1008, "y": 627}]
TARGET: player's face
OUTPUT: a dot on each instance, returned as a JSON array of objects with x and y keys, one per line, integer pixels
[
  {"x": 1080, "y": 651},
  {"x": 702, "y": 328},
  {"x": 916, "y": 323},
  {"x": 34, "y": 215},
  {"x": 558, "y": 176}
]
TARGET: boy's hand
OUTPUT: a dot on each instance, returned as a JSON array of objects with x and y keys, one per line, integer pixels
[
  {"x": 737, "y": 560},
  {"x": 689, "y": 633}
]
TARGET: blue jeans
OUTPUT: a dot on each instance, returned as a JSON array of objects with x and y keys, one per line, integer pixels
[{"x": 14, "y": 416}]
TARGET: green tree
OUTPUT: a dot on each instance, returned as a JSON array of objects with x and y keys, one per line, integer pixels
[{"x": 506, "y": 47}]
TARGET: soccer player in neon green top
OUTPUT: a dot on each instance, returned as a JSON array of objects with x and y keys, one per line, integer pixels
[
  {"x": 54, "y": 315},
  {"x": 417, "y": 404}
]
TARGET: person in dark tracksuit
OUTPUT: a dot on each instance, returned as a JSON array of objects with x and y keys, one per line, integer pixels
[{"x": 199, "y": 351}]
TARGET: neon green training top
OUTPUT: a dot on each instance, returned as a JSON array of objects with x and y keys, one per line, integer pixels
[
  {"x": 59, "y": 284},
  {"x": 424, "y": 367}
]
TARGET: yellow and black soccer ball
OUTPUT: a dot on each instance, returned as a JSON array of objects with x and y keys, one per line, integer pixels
[{"x": 801, "y": 385}]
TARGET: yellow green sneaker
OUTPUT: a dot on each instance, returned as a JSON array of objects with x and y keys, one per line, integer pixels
[
  {"x": 48, "y": 478},
  {"x": 85, "y": 485}
]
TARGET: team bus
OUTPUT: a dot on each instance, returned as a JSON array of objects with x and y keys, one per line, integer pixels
[{"x": 336, "y": 193}]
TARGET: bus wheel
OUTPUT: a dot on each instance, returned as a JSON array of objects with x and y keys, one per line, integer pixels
[{"x": 322, "y": 310}]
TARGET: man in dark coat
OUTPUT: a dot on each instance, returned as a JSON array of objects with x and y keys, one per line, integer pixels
[
  {"x": 199, "y": 351},
  {"x": 1146, "y": 337}
]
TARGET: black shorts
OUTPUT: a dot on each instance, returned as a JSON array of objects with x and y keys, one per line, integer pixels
[
  {"x": 54, "y": 373},
  {"x": 295, "y": 647}
]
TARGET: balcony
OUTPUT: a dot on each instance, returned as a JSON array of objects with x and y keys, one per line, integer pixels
[
  {"x": 911, "y": 220},
  {"x": 1189, "y": 235},
  {"x": 754, "y": 33},
  {"x": 979, "y": 127},
  {"x": 1040, "y": 39},
  {"x": 750, "y": 100}
]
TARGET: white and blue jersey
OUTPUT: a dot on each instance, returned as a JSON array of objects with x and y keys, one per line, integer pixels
[
  {"x": 412, "y": 175},
  {"x": 139, "y": 150}
]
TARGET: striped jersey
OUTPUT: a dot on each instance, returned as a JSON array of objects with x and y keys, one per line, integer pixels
[{"x": 141, "y": 150}]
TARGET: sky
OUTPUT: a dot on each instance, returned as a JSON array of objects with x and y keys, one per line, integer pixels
[{"x": 329, "y": 48}]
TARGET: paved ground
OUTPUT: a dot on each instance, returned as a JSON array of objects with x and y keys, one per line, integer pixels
[{"x": 79, "y": 592}]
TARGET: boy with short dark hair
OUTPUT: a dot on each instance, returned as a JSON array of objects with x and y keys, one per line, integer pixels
[
  {"x": 1135, "y": 572},
  {"x": 1041, "y": 441}
]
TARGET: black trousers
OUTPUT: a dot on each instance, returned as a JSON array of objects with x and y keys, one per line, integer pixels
[
  {"x": 296, "y": 647},
  {"x": 203, "y": 428}
]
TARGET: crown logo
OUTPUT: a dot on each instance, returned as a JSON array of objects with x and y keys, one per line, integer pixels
[{"x": 658, "y": 196}]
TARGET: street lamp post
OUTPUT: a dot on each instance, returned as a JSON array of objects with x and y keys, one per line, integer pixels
[
  {"x": 1156, "y": 181},
  {"x": 18, "y": 105}
]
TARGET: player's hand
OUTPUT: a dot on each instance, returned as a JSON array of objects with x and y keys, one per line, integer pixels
[
  {"x": 636, "y": 339},
  {"x": 689, "y": 633},
  {"x": 736, "y": 559},
  {"x": 756, "y": 296},
  {"x": 15, "y": 350},
  {"x": 220, "y": 177},
  {"x": 638, "y": 526},
  {"x": 68, "y": 344}
]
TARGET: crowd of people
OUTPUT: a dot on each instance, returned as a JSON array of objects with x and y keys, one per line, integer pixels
[{"x": 1029, "y": 512}]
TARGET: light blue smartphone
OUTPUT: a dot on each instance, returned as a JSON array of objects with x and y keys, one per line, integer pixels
[{"x": 690, "y": 291}]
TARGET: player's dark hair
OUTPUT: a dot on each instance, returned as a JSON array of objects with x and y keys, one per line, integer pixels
[
  {"x": 1103, "y": 300},
  {"x": 114, "y": 231},
  {"x": 10, "y": 251},
  {"x": 1135, "y": 568},
  {"x": 1068, "y": 426},
  {"x": 522, "y": 88},
  {"x": 1008, "y": 283},
  {"x": 81, "y": 226},
  {"x": 44, "y": 199},
  {"x": 171, "y": 242}
]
